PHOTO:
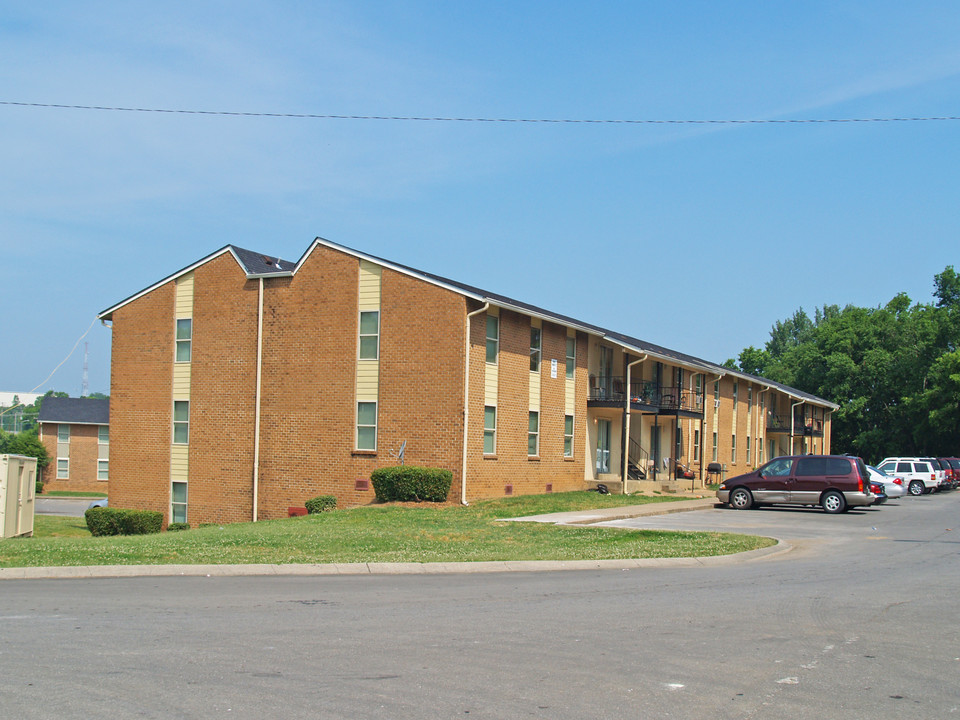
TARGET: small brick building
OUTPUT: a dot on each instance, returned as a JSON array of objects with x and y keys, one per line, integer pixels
[
  {"x": 76, "y": 434},
  {"x": 244, "y": 384}
]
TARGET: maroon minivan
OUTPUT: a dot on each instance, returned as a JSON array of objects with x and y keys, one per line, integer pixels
[{"x": 834, "y": 482}]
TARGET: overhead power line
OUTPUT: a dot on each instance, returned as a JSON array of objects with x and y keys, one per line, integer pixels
[{"x": 595, "y": 121}]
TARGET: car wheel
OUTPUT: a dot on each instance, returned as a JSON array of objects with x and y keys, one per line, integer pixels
[
  {"x": 833, "y": 502},
  {"x": 915, "y": 488},
  {"x": 741, "y": 499}
]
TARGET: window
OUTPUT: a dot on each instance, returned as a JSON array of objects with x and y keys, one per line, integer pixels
[
  {"x": 716, "y": 390},
  {"x": 748, "y": 448},
  {"x": 696, "y": 445},
  {"x": 181, "y": 422},
  {"x": 63, "y": 433},
  {"x": 568, "y": 435},
  {"x": 63, "y": 469},
  {"x": 184, "y": 338},
  {"x": 493, "y": 338},
  {"x": 533, "y": 434},
  {"x": 571, "y": 356},
  {"x": 714, "y": 447},
  {"x": 178, "y": 502},
  {"x": 369, "y": 335},
  {"x": 778, "y": 468},
  {"x": 733, "y": 448},
  {"x": 760, "y": 448},
  {"x": 489, "y": 430},
  {"x": 749, "y": 399},
  {"x": 736, "y": 395},
  {"x": 536, "y": 343},
  {"x": 103, "y": 434},
  {"x": 103, "y": 467},
  {"x": 366, "y": 426}
]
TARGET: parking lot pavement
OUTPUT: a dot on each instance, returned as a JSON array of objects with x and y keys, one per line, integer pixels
[{"x": 65, "y": 507}]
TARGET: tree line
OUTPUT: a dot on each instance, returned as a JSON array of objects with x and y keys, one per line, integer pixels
[{"x": 893, "y": 370}]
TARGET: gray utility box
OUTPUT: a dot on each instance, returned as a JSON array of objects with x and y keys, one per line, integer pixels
[{"x": 18, "y": 491}]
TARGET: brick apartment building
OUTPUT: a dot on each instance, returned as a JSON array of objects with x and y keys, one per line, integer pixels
[
  {"x": 244, "y": 384},
  {"x": 76, "y": 434}
]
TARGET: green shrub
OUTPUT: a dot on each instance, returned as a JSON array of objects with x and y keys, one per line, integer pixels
[
  {"x": 103, "y": 521},
  {"x": 39, "y": 487},
  {"x": 177, "y": 527},
  {"x": 409, "y": 482},
  {"x": 323, "y": 503}
]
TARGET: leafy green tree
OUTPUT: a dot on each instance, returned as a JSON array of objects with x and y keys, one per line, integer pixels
[{"x": 24, "y": 443}]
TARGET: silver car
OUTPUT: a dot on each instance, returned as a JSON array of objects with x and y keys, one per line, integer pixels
[{"x": 892, "y": 486}]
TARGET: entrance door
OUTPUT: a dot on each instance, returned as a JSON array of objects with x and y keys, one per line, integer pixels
[{"x": 603, "y": 446}]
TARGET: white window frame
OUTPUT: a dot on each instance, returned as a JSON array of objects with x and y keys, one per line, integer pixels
[
  {"x": 733, "y": 448},
  {"x": 533, "y": 434},
  {"x": 174, "y": 504},
  {"x": 489, "y": 431},
  {"x": 183, "y": 425},
  {"x": 360, "y": 426},
  {"x": 63, "y": 433},
  {"x": 716, "y": 449},
  {"x": 103, "y": 469},
  {"x": 536, "y": 348},
  {"x": 183, "y": 341},
  {"x": 696, "y": 445},
  {"x": 63, "y": 468},
  {"x": 493, "y": 341},
  {"x": 568, "y": 435},
  {"x": 368, "y": 335},
  {"x": 571, "y": 356}
]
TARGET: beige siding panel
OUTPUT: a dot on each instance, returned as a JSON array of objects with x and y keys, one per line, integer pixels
[
  {"x": 181, "y": 381},
  {"x": 184, "y": 301},
  {"x": 369, "y": 298},
  {"x": 368, "y": 375},
  {"x": 490, "y": 389},
  {"x": 570, "y": 396},
  {"x": 535, "y": 390},
  {"x": 179, "y": 467}
]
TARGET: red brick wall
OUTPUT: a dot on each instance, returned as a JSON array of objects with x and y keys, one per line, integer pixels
[
  {"x": 222, "y": 393},
  {"x": 488, "y": 476},
  {"x": 84, "y": 453},
  {"x": 141, "y": 405}
]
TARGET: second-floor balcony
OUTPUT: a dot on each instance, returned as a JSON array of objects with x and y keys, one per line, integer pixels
[
  {"x": 613, "y": 390},
  {"x": 802, "y": 424}
]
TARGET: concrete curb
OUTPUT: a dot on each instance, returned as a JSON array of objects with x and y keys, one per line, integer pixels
[
  {"x": 130, "y": 571},
  {"x": 438, "y": 568}
]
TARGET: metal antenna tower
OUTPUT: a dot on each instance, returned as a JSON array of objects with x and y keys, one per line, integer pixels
[{"x": 85, "y": 387}]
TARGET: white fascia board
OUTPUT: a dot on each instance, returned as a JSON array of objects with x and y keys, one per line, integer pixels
[{"x": 105, "y": 315}]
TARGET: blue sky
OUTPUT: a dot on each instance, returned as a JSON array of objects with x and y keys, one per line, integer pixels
[{"x": 696, "y": 237}]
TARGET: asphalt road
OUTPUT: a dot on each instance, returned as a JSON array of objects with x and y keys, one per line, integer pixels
[
  {"x": 67, "y": 507},
  {"x": 860, "y": 620}
]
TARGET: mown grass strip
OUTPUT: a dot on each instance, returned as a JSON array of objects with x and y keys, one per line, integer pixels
[{"x": 378, "y": 533}]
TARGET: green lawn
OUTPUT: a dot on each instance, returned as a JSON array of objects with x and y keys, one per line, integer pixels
[{"x": 378, "y": 533}]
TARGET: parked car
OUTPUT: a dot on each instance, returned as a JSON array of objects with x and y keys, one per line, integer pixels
[
  {"x": 953, "y": 478},
  {"x": 834, "y": 482},
  {"x": 919, "y": 475},
  {"x": 954, "y": 464},
  {"x": 102, "y": 502},
  {"x": 893, "y": 487},
  {"x": 877, "y": 489}
]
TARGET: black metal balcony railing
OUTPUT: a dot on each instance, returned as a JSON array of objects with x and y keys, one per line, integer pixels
[
  {"x": 802, "y": 425},
  {"x": 645, "y": 392}
]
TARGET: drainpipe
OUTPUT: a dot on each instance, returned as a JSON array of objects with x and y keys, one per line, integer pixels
[
  {"x": 794, "y": 405},
  {"x": 466, "y": 399},
  {"x": 626, "y": 439},
  {"x": 256, "y": 416}
]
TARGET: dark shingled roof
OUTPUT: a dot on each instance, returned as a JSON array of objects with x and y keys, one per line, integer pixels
[
  {"x": 259, "y": 264},
  {"x": 78, "y": 411}
]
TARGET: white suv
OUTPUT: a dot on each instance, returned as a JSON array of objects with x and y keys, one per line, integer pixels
[{"x": 919, "y": 474}]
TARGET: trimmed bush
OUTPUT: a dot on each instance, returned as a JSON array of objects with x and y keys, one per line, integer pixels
[
  {"x": 39, "y": 487},
  {"x": 102, "y": 521},
  {"x": 323, "y": 503},
  {"x": 177, "y": 527},
  {"x": 407, "y": 483}
]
